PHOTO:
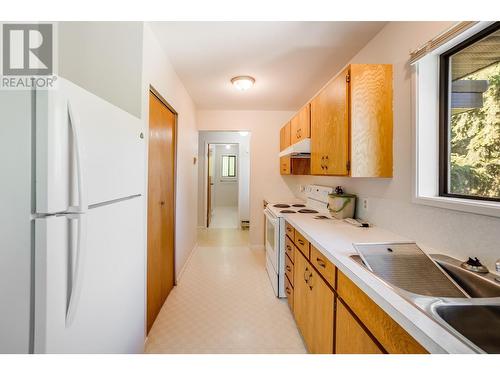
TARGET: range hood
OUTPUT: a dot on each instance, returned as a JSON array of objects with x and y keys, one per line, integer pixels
[{"x": 301, "y": 149}]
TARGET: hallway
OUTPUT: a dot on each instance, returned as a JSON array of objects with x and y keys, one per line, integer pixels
[
  {"x": 224, "y": 303},
  {"x": 224, "y": 217}
]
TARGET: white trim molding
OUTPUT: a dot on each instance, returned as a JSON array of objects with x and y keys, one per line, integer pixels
[{"x": 425, "y": 132}]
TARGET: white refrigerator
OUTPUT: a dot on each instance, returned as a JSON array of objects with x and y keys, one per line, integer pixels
[{"x": 72, "y": 255}]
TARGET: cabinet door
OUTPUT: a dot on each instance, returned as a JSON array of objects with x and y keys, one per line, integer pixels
[
  {"x": 350, "y": 337},
  {"x": 285, "y": 166},
  {"x": 285, "y": 136},
  {"x": 371, "y": 120},
  {"x": 301, "y": 125},
  {"x": 320, "y": 309},
  {"x": 313, "y": 307},
  {"x": 330, "y": 128}
]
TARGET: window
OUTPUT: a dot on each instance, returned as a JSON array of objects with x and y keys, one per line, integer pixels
[
  {"x": 228, "y": 164},
  {"x": 469, "y": 116}
]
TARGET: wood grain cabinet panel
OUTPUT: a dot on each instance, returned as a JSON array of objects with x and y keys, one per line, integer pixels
[
  {"x": 300, "y": 125},
  {"x": 388, "y": 333},
  {"x": 302, "y": 244},
  {"x": 330, "y": 128},
  {"x": 285, "y": 136},
  {"x": 350, "y": 336},
  {"x": 290, "y": 231},
  {"x": 371, "y": 118},
  {"x": 323, "y": 265},
  {"x": 289, "y": 268},
  {"x": 289, "y": 293},
  {"x": 313, "y": 307},
  {"x": 285, "y": 165},
  {"x": 289, "y": 249}
]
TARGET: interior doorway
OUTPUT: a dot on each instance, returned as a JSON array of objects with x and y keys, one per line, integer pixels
[
  {"x": 224, "y": 178},
  {"x": 161, "y": 204}
]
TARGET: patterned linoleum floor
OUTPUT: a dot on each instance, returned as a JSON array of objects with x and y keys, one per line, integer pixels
[{"x": 224, "y": 303}]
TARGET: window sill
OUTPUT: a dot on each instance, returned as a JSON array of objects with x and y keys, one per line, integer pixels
[{"x": 486, "y": 208}]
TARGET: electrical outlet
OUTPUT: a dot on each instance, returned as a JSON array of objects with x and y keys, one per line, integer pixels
[{"x": 364, "y": 204}]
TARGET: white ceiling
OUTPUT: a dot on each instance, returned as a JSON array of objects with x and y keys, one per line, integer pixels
[{"x": 290, "y": 61}]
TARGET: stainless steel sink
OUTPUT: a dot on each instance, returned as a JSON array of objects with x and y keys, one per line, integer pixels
[
  {"x": 478, "y": 323},
  {"x": 474, "y": 318}
]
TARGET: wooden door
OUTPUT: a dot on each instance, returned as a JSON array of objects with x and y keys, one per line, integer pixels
[
  {"x": 330, "y": 128},
  {"x": 300, "y": 126},
  {"x": 285, "y": 136},
  {"x": 161, "y": 206},
  {"x": 350, "y": 336}
]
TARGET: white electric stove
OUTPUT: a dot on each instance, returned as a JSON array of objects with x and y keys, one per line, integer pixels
[{"x": 316, "y": 205}]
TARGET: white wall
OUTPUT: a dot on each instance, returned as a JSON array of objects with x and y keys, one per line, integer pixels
[
  {"x": 243, "y": 198},
  {"x": 265, "y": 180},
  {"x": 158, "y": 72},
  {"x": 225, "y": 191},
  {"x": 104, "y": 58},
  {"x": 455, "y": 233}
]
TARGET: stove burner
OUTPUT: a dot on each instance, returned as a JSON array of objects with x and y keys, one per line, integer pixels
[
  {"x": 287, "y": 212},
  {"x": 298, "y": 205},
  {"x": 281, "y": 205},
  {"x": 308, "y": 211},
  {"x": 321, "y": 217}
]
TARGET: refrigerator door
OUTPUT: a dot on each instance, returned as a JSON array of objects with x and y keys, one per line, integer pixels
[
  {"x": 88, "y": 150},
  {"x": 89, "y": 293}
]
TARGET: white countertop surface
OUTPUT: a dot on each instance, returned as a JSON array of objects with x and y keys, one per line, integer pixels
[{"x": 334, "y": 238}]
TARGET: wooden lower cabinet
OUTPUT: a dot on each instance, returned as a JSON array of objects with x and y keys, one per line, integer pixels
[
  {"x": 289, "y": 292},
  {"x": 350, "y": 336},
  {"x": 313, "y": 307}
]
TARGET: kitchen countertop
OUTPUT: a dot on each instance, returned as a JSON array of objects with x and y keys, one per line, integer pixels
[{"x": 334, "y": 238}]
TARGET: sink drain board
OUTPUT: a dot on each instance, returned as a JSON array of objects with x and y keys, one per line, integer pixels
[{"x": 406, "y": 266}]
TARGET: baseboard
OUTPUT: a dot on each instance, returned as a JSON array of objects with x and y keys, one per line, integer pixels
[{"x": 184, "y": 266}]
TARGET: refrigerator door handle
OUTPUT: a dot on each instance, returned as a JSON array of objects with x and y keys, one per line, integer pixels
[
  {"x": 75, "y": 126},
  {"x": 78, "y": 274}
]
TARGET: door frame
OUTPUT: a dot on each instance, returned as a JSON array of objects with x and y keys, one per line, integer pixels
[{"x": 155, "y": 92}]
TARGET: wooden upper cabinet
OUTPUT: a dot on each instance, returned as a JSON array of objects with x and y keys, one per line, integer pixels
[
  {"x": 351, "y": 123},
  {"x": 285, "y": 136},
  {"x": 300, "y": 125},
  {"x": 330, "y": 128},
  {"x": 371, "y": 120}
]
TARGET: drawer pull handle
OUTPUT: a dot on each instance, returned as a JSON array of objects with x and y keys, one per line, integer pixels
[
  {"x": 288, "y": 290},
  {"x": 309, "y": 281},
  {"x": 288, "y": 248},
  {"x": 300, "y": 241},
  {"x": 321, "y": 262},
  {"x": 288, "y": 268},
  {"x": 306, "y": 279}
]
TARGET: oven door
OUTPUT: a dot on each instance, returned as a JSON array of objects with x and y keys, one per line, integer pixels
[{"x": 272, "y": 239}]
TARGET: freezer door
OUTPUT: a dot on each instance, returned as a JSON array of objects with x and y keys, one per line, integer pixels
[
  {"x": 88, "y": 150},
  {"x": 89, "y": 297}
]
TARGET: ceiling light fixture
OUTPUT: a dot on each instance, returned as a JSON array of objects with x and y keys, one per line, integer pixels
[{"x": 243, "y": 83}]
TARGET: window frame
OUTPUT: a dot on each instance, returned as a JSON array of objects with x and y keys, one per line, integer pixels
[
  {"x": 229, "y": 178},
  {"x": 444, "y": 115}
]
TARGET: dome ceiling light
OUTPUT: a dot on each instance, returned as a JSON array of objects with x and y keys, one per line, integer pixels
[{"x": 243, "y": 83}]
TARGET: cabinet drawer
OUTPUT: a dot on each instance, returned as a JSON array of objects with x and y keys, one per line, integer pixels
[
  {"x": 323, "y": 265},
  {"x": 289, "y": 248},
  {"x": 288, "y": 268},
  {"x": 389, "y": 334},
  {"x": 302, "y": 244},
  {"x": 290, "y": 232},
  {"x": 289, "y": 292}
]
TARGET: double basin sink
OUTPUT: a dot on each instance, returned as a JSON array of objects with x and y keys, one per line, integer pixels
[{"x": 473, "y": 316}]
